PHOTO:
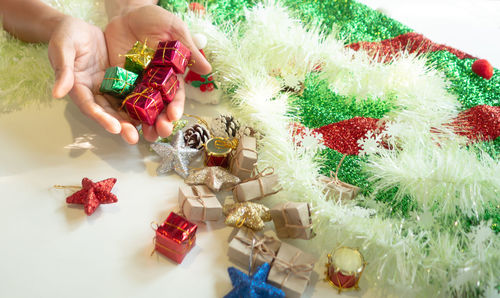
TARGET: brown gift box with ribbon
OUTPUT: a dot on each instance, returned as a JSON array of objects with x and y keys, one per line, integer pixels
[
  {"x": 198, "y": 203},
  {"x": 338, "y": 190},
  {"x": 291, "y": 270},
  {"x": 245, "y": 157},
  {"x": 265, "y": 248},
  {"x": 263, "y": 184},
  {"x": 292, "y": 220}
]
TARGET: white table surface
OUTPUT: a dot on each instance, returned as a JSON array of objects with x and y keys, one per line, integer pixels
[{"x": 51, "y": 250}]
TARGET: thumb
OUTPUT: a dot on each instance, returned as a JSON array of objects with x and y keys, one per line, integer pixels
[{"x": 62, "y": 58}]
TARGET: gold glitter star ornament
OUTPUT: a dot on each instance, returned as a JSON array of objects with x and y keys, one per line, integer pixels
[
  {"x": 216, "y": 178},
  {"x": 249, "y": 214}
]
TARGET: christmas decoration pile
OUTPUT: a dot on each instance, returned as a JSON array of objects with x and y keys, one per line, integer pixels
[{"x": 230, "y": 159}]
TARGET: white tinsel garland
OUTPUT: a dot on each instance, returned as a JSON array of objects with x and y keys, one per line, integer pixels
[{"x": 415, "y": 257}]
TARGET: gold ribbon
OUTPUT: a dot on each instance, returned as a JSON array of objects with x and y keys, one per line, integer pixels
[
  {"x": 198, "y": 196},
  {"x": 156, "y": 244},
  {"x": 138, "y": 96},
  {"x": 260, "y": 246},
  {"x": 299, "y": 270},
  {"x": 75, "y": 187},
  {"x": 172, "y": 48},
  {"x": 222, "y": 143},
  {"x": 120, "y": 80},
  {"x": 258, "y": 177}
]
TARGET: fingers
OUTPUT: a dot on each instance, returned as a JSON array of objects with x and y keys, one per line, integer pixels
[
  {"x": 62, "y": 58},
  {"x": 175, "y": 109},
  {"x": 163, "y": 126},
  {"x": 84, "y": 99},
  {"x": 149, "y": 133},
  {"x": 199, "y": 63},
  {"x": 128, "y": 131}
]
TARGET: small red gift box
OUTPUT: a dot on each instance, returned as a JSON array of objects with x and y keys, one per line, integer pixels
[
  {"x": 144, "y": 104},
  {"x": 175, "y": 237},
  {"x": 172, "y": 53},
  {"x": 163, "y": 79}
]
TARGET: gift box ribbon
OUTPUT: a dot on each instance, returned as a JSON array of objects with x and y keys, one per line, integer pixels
[
  {"x": 138, "y": 96},
  {"x": 120, "y": 80},
  {"x": 198, "y": 196},
  {"x": 156, "y": 245},
  {"x": 176, "y": 50},
  {"x": 299, "y": 270},
  {"x": 235, "y": 160},
  {"x": 288, "y": 225},
  {"x": 259, "y": 246},
  {"x": 258, "y": 177}
]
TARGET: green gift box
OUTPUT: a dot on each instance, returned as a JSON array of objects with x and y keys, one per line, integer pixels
[
  {"x": 138, "y": 58},
  {"x": 118, "y": 82}
]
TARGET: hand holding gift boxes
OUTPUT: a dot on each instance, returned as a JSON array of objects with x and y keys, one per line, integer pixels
[{"x": 159, "y": 83}]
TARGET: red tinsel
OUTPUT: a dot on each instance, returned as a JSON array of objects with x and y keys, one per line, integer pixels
[{"x": 410, "y": 42}]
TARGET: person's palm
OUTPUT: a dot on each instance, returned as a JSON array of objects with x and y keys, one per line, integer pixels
[
  {"x": 152, "y": 23},
  {"x": 78, "y": 54}
]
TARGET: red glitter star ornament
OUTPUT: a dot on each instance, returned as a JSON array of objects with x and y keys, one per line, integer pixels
[{"x": 93, "y": 194}]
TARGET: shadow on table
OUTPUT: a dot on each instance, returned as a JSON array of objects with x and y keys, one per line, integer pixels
[{"x": 89, "y": 135}]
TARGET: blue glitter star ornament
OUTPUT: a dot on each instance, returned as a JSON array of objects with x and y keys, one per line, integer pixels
[
  {"x": 175, "y": 155},
  {"x": 253, "y": 286}
]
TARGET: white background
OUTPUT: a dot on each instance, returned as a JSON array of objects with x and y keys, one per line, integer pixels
[{"x": 51, "y": 250}]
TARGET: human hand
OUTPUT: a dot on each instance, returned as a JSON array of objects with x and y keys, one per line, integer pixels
[
  {"x": 78, "y": 54},
  {"x": 153, "y": 23}
]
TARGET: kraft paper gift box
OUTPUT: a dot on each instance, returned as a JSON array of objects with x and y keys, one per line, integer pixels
[
  {"x": 198, "y": 203},
  {"x": 163, "y": 79},
  {"x": 245, "y": 157},
  {"x": 258, "y": 187},
  {"x": 144, "y": 104},
  {"x": 118, "y": 82},
  {"x": 138, "y": 58},
  {"x": 292, "y": 220},
  {"x": 240, "y": 248},
  {"x": 338, "y": 190},
  {"x": 172, "y": 54},
  {"x": 291, "y": 270},
  {"x": 175, "y": 237}
]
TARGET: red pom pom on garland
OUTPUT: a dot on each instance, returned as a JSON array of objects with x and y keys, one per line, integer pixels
[
  {"x": 197, "y": 7},
  {"x": 483, "y": 68}
]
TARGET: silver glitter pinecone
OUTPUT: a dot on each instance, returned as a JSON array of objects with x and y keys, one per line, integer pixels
[
  {"x": 195, "y": 136},
  {"x": 230, "y": 125}
]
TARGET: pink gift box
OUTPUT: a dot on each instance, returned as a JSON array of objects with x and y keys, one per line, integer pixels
[
  {"x": 144, "y": 104},
  {"x": 173, "y": 54},
  {"x": 164, "y": 79}
]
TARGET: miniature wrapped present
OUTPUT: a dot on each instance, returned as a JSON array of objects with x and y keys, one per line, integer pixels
[
  {"x": 245, "y": 157},
  {"x": 118, "y": 82},
  {"x": 144, "y": 104},
  {"x": 265, "y": 248},
  {"x": 175, "y": 237},
  {"x": 292, "y": 220},
  {"x": 264, "y": 184},
  {"x": 291, "y": 270},
  {"x": 138, "y": 58},
  {"x": 173, "y": 54},
  {"x": 198, "y": 203},
  {"x": 338, "y": 190},
  {"x": 164, "y": 79}
]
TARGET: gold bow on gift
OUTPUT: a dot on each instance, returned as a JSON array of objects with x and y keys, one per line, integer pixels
[{"x": 249, "y": 214}]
